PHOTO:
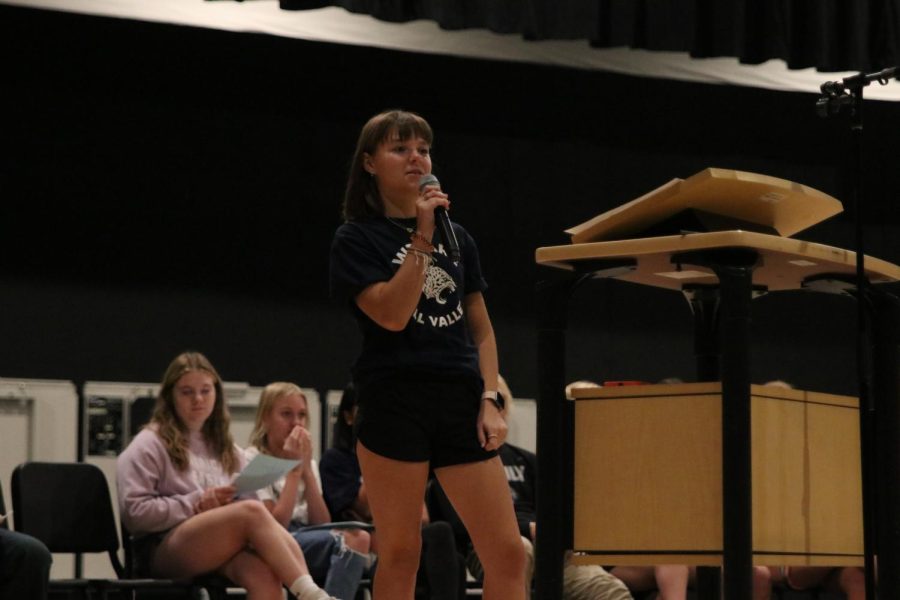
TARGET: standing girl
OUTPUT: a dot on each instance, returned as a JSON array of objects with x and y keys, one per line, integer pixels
[{"x": 427, "y": 374}]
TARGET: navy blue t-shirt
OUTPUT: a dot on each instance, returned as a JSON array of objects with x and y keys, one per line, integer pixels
[{"x": 436, "y": 339}]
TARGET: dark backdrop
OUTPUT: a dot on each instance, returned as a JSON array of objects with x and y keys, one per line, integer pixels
[{"x": 167, "y": 187}]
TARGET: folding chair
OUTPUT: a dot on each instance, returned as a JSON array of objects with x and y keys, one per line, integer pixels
[{"x": 68, "y": 507}]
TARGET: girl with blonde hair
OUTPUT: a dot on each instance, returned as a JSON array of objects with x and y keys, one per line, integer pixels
[{"x": 336, "y": 557}]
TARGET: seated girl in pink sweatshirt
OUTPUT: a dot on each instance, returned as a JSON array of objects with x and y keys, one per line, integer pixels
[{"x": 176, "y": 496}]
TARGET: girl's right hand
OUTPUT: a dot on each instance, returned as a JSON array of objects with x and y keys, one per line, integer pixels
[
  {"x": 430, "y": 198},
  {"x": 215, "y": 497}
]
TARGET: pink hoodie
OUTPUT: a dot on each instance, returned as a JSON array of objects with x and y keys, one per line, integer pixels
[{"x": 153, "y": 494}]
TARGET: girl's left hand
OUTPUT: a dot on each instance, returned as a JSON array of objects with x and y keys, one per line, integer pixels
[{"x": 492, "y": 428}]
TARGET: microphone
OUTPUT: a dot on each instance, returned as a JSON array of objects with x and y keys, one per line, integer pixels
[
  {"x": 443, "y": 221},
  {"x": 855, "y": 82}
]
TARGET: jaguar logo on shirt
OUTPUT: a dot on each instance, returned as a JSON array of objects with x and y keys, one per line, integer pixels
[
  {"x": 438, "y": 283},
  {"x": 438, "y": 286}
]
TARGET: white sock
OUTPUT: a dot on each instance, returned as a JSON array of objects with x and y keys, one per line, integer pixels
[{"x": 304, "y": 588}]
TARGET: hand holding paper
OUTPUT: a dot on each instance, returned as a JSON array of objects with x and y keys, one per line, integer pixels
[{"x": 263, "y": 470}]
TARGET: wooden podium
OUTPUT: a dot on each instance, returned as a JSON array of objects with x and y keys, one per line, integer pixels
[
  {"x": 758, "y": 462},
  {"x": 652, "y": 505}
]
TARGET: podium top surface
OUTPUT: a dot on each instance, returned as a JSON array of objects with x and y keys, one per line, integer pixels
[
  {"x": 668, "y": 390},
  {"x": 713, "y": 200},
  {"x": 784, "y": 263}
]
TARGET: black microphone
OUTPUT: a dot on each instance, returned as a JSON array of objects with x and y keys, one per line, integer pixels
[
  {"x": 443, "y": 221},
  {"x": 855, "y": 82}
]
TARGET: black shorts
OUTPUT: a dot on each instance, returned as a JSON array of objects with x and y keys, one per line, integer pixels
[
  {"x": 143, "y": 549},
  {"x": 421, "y": 417}
]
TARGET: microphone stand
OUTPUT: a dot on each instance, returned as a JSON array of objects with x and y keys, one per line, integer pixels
[{"x": 836, "y": 97}]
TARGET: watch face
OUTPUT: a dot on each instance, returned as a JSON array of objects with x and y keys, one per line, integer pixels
[{"x": 501, "y": 401}]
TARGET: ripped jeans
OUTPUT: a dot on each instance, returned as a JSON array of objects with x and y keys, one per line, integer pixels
[{"x": 333, "y": 566}]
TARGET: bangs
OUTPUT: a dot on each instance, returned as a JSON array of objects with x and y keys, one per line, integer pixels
[
  {"x": 413, "y": 126},
  {"x": 404, "y": 125}
]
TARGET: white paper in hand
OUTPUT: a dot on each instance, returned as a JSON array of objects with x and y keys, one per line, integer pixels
[{"x": 263, "y": 470}]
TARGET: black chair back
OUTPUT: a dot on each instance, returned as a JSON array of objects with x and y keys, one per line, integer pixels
[{"x": 67, "y": 506}]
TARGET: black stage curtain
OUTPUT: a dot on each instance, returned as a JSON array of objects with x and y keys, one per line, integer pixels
[{"x": 830, "y": 35}]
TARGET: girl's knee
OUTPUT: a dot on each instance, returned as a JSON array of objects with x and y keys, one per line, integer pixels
[
  {"x": 517, "y": 555},
  {"x": 762, "y": 582},
  {"x": 507, "y": 559},
  {"x": 252, "y": 511},
  {"x": 401, "y": 553},
  {"x": 762, "y": 576},
  {"x": 358, "y": 539},
  {"x": 852, "y": 578}
]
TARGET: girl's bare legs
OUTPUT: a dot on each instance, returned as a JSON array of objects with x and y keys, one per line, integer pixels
[
  {"x": 852, "y": 581},
  {"x": 670, "y": 580},
  {"x": 250, "y": 572},
  {"x": 762, "y": 583},
  {"x": 637, "y": 579},
  {"x": 210, "y": 539},
  {"x": 357, "y": 539},
  {"x": 480, "y": 494},
  {"x": 396, "y": 490}
]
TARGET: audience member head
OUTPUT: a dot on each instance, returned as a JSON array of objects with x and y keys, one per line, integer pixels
[
  {"x": 342, "y": 434},
  {"x": 779, "y": 384},
  {"x": 191, "y": 398},
  {"x": 282, "y": 406},
  {"x": 504, "y": 391},
  {"x": 579, "y": 385},
  {"x": 362, "y": 198}
]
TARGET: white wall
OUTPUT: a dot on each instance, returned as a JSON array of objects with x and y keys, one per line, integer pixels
[{"x": 523, "y": 424}]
